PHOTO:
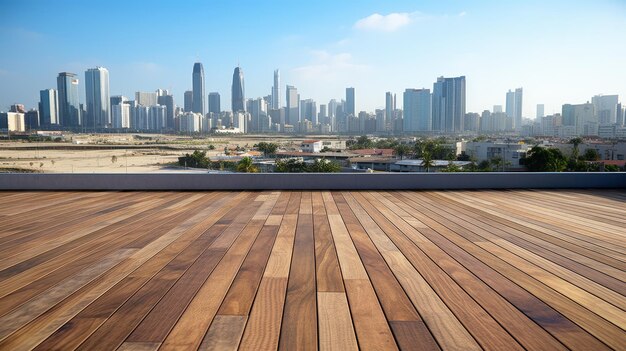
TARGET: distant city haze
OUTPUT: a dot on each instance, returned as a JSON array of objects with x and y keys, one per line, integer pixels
[{"x": 559, "y": 52}]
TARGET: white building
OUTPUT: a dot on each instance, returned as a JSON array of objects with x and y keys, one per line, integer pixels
[
  {"x": 311, "y": 146},
  {"x": 510, "y": 153},
  {"x": 13, "y": 121},
  {"x": 190, "y": 122}
]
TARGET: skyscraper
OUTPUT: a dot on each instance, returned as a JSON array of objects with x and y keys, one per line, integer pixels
[
  {"x": 97, "y": 98},
  {"x": 238, "y": 101},
  {"x": 540, "y": 111},
  {"x": 390, "y": 105},
  {"x": 417, "y": 110},
  {"x": 69, "y": 104},
  {"x": 605, "y": 108},
  {"x": 188, "y": 100},
  {"x": 518, "y": 108},
  {"x": 198, "y": 104},
  {"x": 146, "y": 98},
  {"x": 167, "y": 100},
  {"x": 448, "y": 104},
  {"x": 514, "y": 107},
  {"x": 48, "y": 107},
  {"x": 214, "y": 103},
  {"x": 276, "y": 91},
  {"x": 293, "y": 108},
  {"x": 120, "y": 112},
  {"x": 308, "y": 110},
  {"x": 350, "y": 104}
]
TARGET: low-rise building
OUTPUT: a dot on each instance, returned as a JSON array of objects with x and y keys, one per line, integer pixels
[{"x": 311, "y": 146}]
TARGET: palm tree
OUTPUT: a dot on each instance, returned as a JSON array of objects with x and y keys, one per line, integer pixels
[
  {"x": 575, "y": 142},
  {"x": 401, "y": 150},
  {"x": 245, "y": 166}
]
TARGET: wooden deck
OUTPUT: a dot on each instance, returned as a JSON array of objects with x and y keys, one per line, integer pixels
[{"x": 429, "y": 270}]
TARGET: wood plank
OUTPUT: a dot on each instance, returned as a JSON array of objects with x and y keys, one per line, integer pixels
[
  {"x": 299, "y": 326},
  {"x": 335, "y": 325}
]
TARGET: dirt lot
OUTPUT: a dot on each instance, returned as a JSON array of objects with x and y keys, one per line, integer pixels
[{"x": 119, "y": 153}]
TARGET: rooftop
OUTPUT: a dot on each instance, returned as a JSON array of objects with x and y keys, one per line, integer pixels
[{"x": 469, "y": 270}]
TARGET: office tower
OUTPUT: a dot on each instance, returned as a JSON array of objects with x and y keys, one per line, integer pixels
[
  {"x": 308, "y": 111},
  {"x": 514, "y": 107},
  {"x": 120, "y": 112},
  {"x": 156, "y": 117},
  {"x": 260, "y": 121},
  {"x": 381, "y": 120},
  {"x": 198, "y": 104},
  {"x": 605, "y": 108},
  {"x": 620, "y": 114},
  {"x": 322, "y": 115},
  {"x": 69, "y": 105},
  {"x": 448, "y": 104},
  {"x": 540, "y": 111},
  {"x": 162, "y": 92},
  {"x": 276, "y": 91},
  {"x": 17, "y": 108},
  {"x": 146, "y": 98},
  {"x": 350, "y": 103},
  {"x": 497, "y": 108},
  {"x": 471, "y": 122},
  {"x": 97, "y": 98},
  {"x": 167, "y": 100},
  {"x": 581, "y": 118},
  {"x": 238, "y": 91},
  {"x": 48, "y": 107},
  {"x": 31, "y": 119},
  {"x": 13, "y": 121},
  {"x": 293, "y": 109},
  {"x": 214, "y": 103},
  {"x": 390, "y": 104},
  {"x": 188, "y": 100},
  {"x": 417, "y": 110}
]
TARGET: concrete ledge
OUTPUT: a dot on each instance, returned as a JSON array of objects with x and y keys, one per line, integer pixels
[{"x": 308, "y": 181}]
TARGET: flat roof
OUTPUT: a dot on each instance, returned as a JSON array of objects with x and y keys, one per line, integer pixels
[{"x": 250, "y": 270}]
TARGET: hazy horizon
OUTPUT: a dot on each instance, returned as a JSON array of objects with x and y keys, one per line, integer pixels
[{"x": 562, "y": 52}]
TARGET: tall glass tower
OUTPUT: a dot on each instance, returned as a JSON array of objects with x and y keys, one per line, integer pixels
[
  {"x": 69, "y": 105},
  {"x": 448, "y": 104},
  {"x": 276, "y": 91},
  {"x": 238, "y": 92},
  {"x": 97, "y": 98},
  {"x": 198, "y": 104},
  {"x": 350, "y": 103}
]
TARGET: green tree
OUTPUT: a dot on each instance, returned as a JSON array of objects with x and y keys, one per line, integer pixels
[
  {"x": 245, "y": 165},
  {"x": 452, "y": 167},
  {"x": 322, "y": 165},
  {"x": 591, "y": 155},
  {"x": 197, "y": 159},
  {"x": 211, "y": 147},
  {"x": 576, "y": 142},
  {"x": 291, "y": 165},
  {"x": 267, "y": 148},
  {"x": 362, "y": 142},
  {"x": 540, "y": 159},
  {"x": 401, "y": 150},
  {"x": 427, "y": 150}
]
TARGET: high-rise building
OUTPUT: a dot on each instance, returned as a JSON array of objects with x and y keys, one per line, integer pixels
[
  {"x": 417, "y": 110},
  {"x": 276, "y": 91},
  {"x": 514, "y": 107},
  {"x": 605, "y": 108},
  {"x": 198, "y": 104},
  {"x": 146, "y": 98},
  {"x": 581, "y": 117},
  {"x": 381, "y": 121},
  {"x": 120, "y": 112},
  {"x": 540, "y": 111},
  {"x": 308, "y": 111},
  {"x": 97, "y": 98},
  {"x": 448, "y": 104},
  {"x": 350, "y": 103},
  {"x": 48, "y": 107},
  {"x": 238, "y": 96},
  {"x": 293, "y": 105},
  {"x": 214, "y": 103},
  {"x": 188, "y": 100},
  {"x": 69, "y": 104},
  {"x": 390, "y": 105},
  {"x": 167, "y": 100},
  {"x": 497, "y": 108}
]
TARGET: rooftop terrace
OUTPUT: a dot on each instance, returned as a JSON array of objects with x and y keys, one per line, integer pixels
[{"x": 293, "y": 270}]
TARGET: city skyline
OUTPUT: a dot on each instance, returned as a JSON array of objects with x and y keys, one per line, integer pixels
[{"x": 321, "y": 62}]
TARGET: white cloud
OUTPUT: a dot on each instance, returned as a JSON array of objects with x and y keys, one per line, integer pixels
[
  {"x": 329, "y": 67},
  {"x": 385, "y": 23}
]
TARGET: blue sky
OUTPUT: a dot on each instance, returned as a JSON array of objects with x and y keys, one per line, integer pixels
[{"x": 558, "y": 51}]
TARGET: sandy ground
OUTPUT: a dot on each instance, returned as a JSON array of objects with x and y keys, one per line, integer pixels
[{"x": 21, "y": 155}]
